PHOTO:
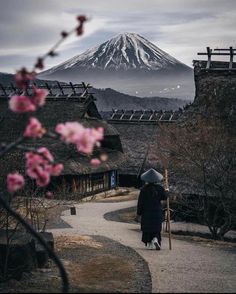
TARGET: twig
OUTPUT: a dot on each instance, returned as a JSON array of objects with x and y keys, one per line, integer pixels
[
  {"x": 11, "y": 145},
  {"x": 65, "y": 282}
]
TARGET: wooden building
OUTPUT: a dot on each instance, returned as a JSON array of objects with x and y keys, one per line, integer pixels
[
  {"x": 215, "y": 95},
  {"x": 138, "y": 132},
  {"x": 65, "y": 102},
  {"x": 215, "y": 83}
]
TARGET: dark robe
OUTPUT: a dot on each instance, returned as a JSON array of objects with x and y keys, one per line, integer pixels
[{"x": 150, "y": 209}]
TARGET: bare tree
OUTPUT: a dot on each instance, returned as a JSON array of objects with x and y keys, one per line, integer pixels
[{"x": 201, "y": 157}]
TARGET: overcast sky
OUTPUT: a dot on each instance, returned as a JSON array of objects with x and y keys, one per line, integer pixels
[{"x": 28, "y": 28}]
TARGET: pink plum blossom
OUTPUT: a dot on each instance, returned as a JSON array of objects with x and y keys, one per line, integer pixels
[
  {"x": 39, "y": 64},
  {"x": 34, "y": 129},
  {"x": 80, "y": 29},
  {"x": 21, "y": 104},
  {"x": 64, "y": 34},
  {"x": 39, "y": 96},
  {"x": 89, "y": 139},
  {"x": 49, "y": 195},
  {"x": 86, "y": 142},
  {"x": 103, "y": 157},
  {"x": 23, "y": 77},
  {"x": 82, "y": 18},
  {"x": 43, "y": 177},
  {"x": 35, "y": 165},
  {"x": 85, "y": 139},
  {"x": 46, "y": 153},
  {"x": 56, "y": 169},
  {"x": 70, "y": 131},
  {"x": 15, "y": 182},
  {"x": 98, "y": 134},
  {"x": 41, "y": 167},
  {"x": 95, "y": 162}
]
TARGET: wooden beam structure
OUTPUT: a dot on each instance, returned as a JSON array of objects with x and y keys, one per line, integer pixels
[
  {"x": 231, "y": 52},
  {"x": 56, "y": 91},
  {"x": 148, "y": 116}
]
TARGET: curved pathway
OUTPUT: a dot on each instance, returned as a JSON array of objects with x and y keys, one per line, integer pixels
[{"x": 188, "y": 267}]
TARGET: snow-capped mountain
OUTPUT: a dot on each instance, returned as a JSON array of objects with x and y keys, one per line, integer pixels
[
  {"x": 124, "y": 63},
  {"x": 125, "y": 51}
]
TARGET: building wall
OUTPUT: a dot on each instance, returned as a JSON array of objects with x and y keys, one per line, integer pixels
[
  {"x": 79, "y": 186},
  {"x": 216, "y": 93}
]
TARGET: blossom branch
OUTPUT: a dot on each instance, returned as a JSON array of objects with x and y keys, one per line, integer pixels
[
  {"x": 23, "y": 76},
  {"x": 7, "y": 148},
  {"x": 52, "y": 52},
  {"x": 39, "y": 162}
]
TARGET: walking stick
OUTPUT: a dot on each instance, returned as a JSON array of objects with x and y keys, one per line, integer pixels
[{"x": 168, "y": 208}]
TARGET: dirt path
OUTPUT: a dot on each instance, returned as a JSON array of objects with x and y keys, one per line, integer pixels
[{"x": 189, "y": 267}]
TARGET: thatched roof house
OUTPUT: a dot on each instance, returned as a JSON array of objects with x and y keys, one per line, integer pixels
[
  {"x": 216, "y": 90},
  {"x": 65, "y": 103},
  {"x": 138, "y": 132},
  {"x": 215, "y": 95}
]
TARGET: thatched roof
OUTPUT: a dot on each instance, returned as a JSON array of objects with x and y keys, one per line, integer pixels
[
  {"x": 58, "y": 108},
  {"x": 81, "y": 165},
  {"x": 138, "y": 140},
  {"x": 214, "y": 65},
  {"x": 138, "y": 132}
]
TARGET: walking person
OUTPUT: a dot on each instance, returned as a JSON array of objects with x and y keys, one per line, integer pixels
[{"x": 150, "y": 208}]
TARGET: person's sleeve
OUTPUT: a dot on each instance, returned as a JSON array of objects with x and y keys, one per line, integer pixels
[{"x": 140, "y": 203}]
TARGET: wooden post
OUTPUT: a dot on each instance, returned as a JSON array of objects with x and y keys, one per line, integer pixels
[
  {"x": 60, "y": 88},
  {"x": 168, "y": 208},
  {"x": 209, "y": 58},
  {"x": 73, "y": 88},
  {"x": 49, "y": 89},
  {"x": 74, "y": 186},
  {"x": 3, "y": 89},
  {"x": 231, "y": 52}
]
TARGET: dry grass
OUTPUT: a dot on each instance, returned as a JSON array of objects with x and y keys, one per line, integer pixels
[
  {"x": 130, "y": 195},
  {"x": 102, "y": 272},
  {"x": 90, "y": 268},
  {"x": 105, "y": 273},
  {"x": 73, "y": 241}
]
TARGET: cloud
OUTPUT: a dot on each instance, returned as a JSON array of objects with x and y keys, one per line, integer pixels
[
  {"x": 180, "y": 27},
  {"x": 185, "y": 40}
]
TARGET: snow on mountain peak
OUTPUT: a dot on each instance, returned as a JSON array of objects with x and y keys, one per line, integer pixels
[{"x": 124, "y": 51}]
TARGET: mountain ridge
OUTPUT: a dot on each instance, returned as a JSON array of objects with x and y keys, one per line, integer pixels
[
  {"x": 108, "y": 99},
  {"x": 124, "y": 51},
  {"x": 128, "y": 63}
]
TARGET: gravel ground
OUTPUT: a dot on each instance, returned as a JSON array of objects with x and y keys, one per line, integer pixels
[
  {"x": 104, "y": 256},
  {"x": 55, "y": 220},
  {"x": 127, "y": 215},
  {"x": 95, "y": 264},
  {"x": 189, "y": 267}
]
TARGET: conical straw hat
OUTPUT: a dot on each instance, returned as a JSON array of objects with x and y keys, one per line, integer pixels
[{"x": 151, "y": 176}]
